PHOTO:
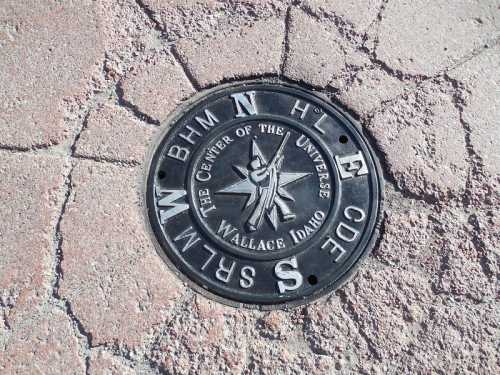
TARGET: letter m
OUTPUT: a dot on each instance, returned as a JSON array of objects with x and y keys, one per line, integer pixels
[
  {"x": 207, "y": 123},
  {"x": 170, "y": 199}
]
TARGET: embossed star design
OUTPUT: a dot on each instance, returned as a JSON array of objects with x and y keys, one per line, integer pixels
[{"x": 246, "y": 187}]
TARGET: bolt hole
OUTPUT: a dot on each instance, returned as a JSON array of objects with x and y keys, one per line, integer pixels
[
  {"x": 161, "y": 175},
  {"x": 343, "y": 139},
  {"x": 312, "y": 279}
]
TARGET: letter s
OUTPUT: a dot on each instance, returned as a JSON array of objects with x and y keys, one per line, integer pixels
[
  {"x": 247, "y": 274},
  {"x": 283, "y": 274}
]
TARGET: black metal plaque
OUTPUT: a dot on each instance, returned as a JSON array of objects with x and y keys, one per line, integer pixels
[{"x": 263, "y": 195}]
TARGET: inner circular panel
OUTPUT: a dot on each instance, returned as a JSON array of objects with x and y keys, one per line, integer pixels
[{"x": 269, "y": 187}]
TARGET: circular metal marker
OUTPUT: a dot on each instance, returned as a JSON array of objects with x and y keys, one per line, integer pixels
[{"x": 263, "y": 195}]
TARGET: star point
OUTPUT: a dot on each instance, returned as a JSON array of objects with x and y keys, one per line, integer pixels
[{"x": 245, "y": 186}]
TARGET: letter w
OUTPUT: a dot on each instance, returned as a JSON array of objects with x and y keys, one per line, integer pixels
[
  {"x": 169, "y": 200},
  {"x": 226, "y": 228}
]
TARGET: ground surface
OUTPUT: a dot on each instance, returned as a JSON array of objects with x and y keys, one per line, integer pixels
[{"x": 84, "y": 86}]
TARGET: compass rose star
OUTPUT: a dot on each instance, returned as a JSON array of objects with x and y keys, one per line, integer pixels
[{"x": 264, "y": 183}]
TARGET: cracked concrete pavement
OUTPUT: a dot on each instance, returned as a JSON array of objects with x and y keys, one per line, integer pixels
[{"x": 84, "y": 87}]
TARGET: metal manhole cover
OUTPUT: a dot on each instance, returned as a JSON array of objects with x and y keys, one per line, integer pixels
[{"x": 263, "y": 195}]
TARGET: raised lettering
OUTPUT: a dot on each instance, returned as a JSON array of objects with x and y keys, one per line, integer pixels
[
  {"x": 317, "y": 123},
  {"x": 245, "y": 103},
  {"x": 192, "y": 238},
  {"x": 209, "y": 122},
  {"x": 212, "y": 254},
  {"x": 178, "y": 152},
  {"x": 292, "y": 276},
  {"x": 247, "y": 274},
  {"x": 225, "y": 228},
  {"x": 188, "y": 137},
  {"x": 346, "y": 232},
  {"x": 203, "y": 176},
  {"x": 303, "y": 110},
  {"x": 168, "y": 198},
  {"x": 224, "y": 273},
  {"x": 351, "y": 165},
  {"x": 336, "y": 250},
  {"x": 359, "y": 213}
]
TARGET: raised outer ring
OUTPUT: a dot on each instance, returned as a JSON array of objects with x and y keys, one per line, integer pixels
[{"x": 340, "y": 281}]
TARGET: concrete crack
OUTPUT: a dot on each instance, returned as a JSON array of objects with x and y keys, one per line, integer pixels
[
  {"x": 60, "y": 301},
  {"x": 83, "y": 337},
  {"x": 379, "y": 237},
  {"x": 402, "y": 76},
  {"x": 345, "y": 28},
  {"x": 358, "y": 41},
  {"x": 474, "y": 53},
  {"x": 104, "y": 159},
  {"x": 286, "y": 43},
  {"x": 72, "y": 147},
  {"x": 389, "y": 178},
  {"x": 472, "y": 230},
  {"x": 480, "y": 247},
  {"x": 150, "y": 15},
  {"x": 376, "y": 21},
  {"x": 58, "y": 239},
  {"x": 473, "y": 159},
  {"x": 133, "y": 108},
  {"x": 178, "y": 58},
  {"x": 34, "y": 147},
  {"x": 375, "y": 24}
]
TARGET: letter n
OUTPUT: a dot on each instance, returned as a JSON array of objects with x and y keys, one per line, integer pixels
[{"x": 245, "y": 103}]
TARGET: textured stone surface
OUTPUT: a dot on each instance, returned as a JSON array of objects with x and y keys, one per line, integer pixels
[
  {"x": 469, "y": 257},
  {"x": 469, "y": 332},
  {"x": 387, "y": 297},
  {"x": 118, "y": 286},
  {"x": 190, "y": 18},
  {"x": 330, "y": 331},
  {"x": 408, "y": 328},
  {"x": 156, "y": 86},
  {"x": 236, "y": 342},
  {"x": 422, "y": 139},
  {"x": 481, "y": 112},
  {"x": 128, "y": 35},
  {"x": 103, "y": 363},
  {"x": 292, "y": 357},
  {"x": 425, "y": 37},
  {"x": 464, "y": 263},
  {"x": 44, "y": 344},
  {"x": 208, "y": 338},
  {"x": 369, "y": 88},
  {"x": 29, "y": 192},
  {"x": 49, "y": 52},
  {"x": 111, "y": 133},
  {"x": 227, "y": 54},
  {"x": 356, "y": 14},
  {"x": 410, "y": 231},
  {"x": 317, "y": 52}
]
